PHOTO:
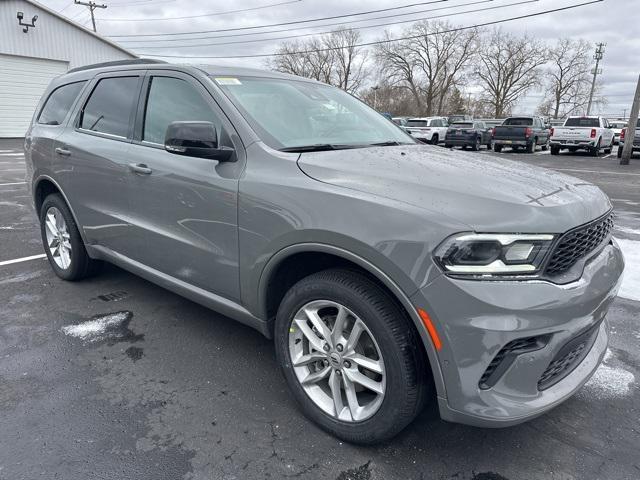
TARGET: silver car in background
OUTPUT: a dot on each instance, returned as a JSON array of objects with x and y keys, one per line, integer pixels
[{"x": 387, "y": 272}]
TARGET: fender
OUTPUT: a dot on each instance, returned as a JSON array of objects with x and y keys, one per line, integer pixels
[
  {"x": 286, "y": 252},
  {"x": 64, "y": 196}
]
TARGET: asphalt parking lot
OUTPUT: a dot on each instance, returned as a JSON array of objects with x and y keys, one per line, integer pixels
[{"x": 176, "y": 391}]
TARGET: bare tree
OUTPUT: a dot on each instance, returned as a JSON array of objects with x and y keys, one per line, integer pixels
[
  {"x": 334, "y": 58},
  {"x": 399, "y": 70},
  {"x": 567, "y": 89},
  {"x": 442, "y": 55},
  {"x": 509, "y": 67}
]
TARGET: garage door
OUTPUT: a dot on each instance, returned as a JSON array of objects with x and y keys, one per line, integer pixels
[{"x": 22, "y": 82}]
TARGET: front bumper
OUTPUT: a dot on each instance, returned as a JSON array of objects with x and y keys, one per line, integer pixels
[{"x": 476, "y": 319}]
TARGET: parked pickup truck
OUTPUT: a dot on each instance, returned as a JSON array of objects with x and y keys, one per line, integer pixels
[
  {"x": 521, "y": 132},
  {"x": 583, "y": 133},
  {"x": 636, "y": 141}
]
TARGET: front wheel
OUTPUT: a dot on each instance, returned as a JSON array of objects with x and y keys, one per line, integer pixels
[
  {"x": 350, "y": 356},
  {"x": 476, "y": 146},
  {"x": 435, "y": 139},
  {"x": 62, "y": 241},
  {"x": 531, "y": 147},
  {"x": 595, "y": 151},
  {"x": 545, "y": 147}
]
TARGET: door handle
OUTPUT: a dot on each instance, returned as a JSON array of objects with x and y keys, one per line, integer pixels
[
  {"x": 63, "y": 151},
  {"x": 140, "y": 168}
]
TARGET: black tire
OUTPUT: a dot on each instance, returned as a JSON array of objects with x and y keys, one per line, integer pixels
[
  {"x": 595, "y": 151},
  {"x": 476, "y": 146},
  {"x": 81, "y": 265},
  {"x": 620, "y": 150},
  {"x": 448, "y": 145},
  {"x": 555, "y": 150},
  {"x": 405, "y": 363},
  {"x": 609, "y": 149},
  {"x": 435, "y": 139},
  {"x": 531, "y": 147},
  {"x": 497, "y": 148},
  {"x": 546, "y": 146}
]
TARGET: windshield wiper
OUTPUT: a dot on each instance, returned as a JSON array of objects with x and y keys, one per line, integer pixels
[
  {"x": 390, "y": 143},
  {"x": 319, "y": 147}
]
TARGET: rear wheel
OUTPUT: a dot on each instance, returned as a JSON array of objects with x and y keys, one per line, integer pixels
[
  {"x": 531, "y": 147},
  {"x": 555, "y": 150},
  {"x": 609, "y": 149},
  {"x": 595, "y": 151},
  {"x": 497, "y": 148},
  {"x": 350, "y": 356},
  {"x": 476, "y": 146},
  {"x": 545, "y": 147},
  {"x": 620, "y": 149},
  {"x": 448, "y": 145},
  {"x": 62, "y": 241},
  {"x": 435, "y": 139}
]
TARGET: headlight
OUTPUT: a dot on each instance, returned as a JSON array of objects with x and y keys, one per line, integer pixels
[{"x": 472, "y": 254}]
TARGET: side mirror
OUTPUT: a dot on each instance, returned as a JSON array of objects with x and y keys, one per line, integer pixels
[{"x": 195, "y": 139}]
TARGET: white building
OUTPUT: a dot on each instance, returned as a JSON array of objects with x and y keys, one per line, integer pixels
[{"x": 30, "y": 56}]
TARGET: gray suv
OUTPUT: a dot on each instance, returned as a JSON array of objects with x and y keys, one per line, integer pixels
[{"x": 387, "y": 272}]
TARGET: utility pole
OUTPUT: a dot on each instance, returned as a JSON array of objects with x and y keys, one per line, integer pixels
[
  {"x": 596, "y": 71},
  {"x": 630, "y": 134},
  {"x": 375, "y": 96},
  {"x": 92, "y": 6}
]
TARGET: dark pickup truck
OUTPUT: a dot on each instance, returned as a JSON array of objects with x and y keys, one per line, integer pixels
[
  {"x": 521, "y": 132},
  {"x": 623, "y": 137}
]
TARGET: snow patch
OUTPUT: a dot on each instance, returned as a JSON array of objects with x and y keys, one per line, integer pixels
[
  {"x": 630, "y": 288},
  {"x": 97, "y": 328},
  {"x": 609, "y": 381}
]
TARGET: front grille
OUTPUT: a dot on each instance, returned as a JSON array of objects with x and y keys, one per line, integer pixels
[
  {"x": 578, "y": 243},
  {"x": 505, "y": 357},
  {"x": 568, "y": 358}
]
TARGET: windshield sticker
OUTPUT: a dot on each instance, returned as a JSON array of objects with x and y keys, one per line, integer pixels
[{"x": 228, "y": 81}]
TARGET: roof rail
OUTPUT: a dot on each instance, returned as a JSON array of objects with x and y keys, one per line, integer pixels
[{"x": 139, "y": 61}]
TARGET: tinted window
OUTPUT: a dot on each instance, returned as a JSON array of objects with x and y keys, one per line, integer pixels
[
  {"x": 111, "y": 105},
  {"x": 582, "y": 122},
  {"x": 417, "y": 123},
  {"x": 173, "y": 100},
  {"x": 59, "y": 103},
  {"x": 519, "y": 122}
]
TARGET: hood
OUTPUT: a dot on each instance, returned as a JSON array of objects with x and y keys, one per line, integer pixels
[{"x": 487, "y": 193}]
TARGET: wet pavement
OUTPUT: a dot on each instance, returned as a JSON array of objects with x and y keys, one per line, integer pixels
[{"x": 116, "y": 378}]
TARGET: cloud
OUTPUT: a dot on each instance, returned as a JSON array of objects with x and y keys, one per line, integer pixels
[{"x": 611, "y": 21}]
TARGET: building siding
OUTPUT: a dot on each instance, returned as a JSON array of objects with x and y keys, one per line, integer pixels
[{"x": 52, "y": 38}]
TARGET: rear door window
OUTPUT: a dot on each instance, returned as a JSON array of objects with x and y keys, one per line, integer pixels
[
  {"x": 59, "y": 103},
  {"x": 110, "y": 108}
]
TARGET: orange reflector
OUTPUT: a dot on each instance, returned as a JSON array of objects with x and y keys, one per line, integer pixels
[{"x": 426, "y": 319}]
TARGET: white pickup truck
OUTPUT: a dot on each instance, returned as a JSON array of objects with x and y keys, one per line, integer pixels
[{"x": 592, "y": 134}]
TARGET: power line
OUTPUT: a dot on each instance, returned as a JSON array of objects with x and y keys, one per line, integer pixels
[
  {"x": 91, "y": 6},
  {"x": 271, "y": 5},
  {"x": 379, "y": 42},
  {"x": 314, "y": 26},
  {"x": 309, "y": 20},
  {"x": 476, "y": 10}
]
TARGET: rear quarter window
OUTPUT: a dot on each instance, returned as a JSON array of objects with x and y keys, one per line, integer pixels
[{"x": 59, "y": 103}]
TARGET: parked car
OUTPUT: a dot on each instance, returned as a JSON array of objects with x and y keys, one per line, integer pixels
[
  {"x": 428, "y": 130},
  {"x": 468, "y": 134},
  {"x": 521, "y": 132},
  {"x": 625, "y": 135},
  {"x": 583, "y": 133},
  {"x": 386, "y": 272},
  {"x": 401, "y": 122},
  {"x": 459, "y": 118},
  {"x": 617, "y": 127}
]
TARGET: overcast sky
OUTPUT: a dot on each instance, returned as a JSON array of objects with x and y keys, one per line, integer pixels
[{"x": 615, "y": 22}]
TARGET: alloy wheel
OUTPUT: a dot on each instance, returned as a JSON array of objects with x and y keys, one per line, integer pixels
[
  {"x": 337, "y": 361},
  {"x": 58, "y": 238}
]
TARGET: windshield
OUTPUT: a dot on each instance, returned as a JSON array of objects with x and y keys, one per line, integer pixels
[
  {"x": 287, "y": 114},
  {"x": 618, "y": 124},
  {"x": 462, "y": 125},
  {"x": 582, "y": 122},
  {"x": 519, "y": 122}
]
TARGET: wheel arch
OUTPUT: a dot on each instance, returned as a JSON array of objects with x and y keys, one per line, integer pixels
[
  {"x": 44, "y": 186},
  {"x": 274, "y": 282}
]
